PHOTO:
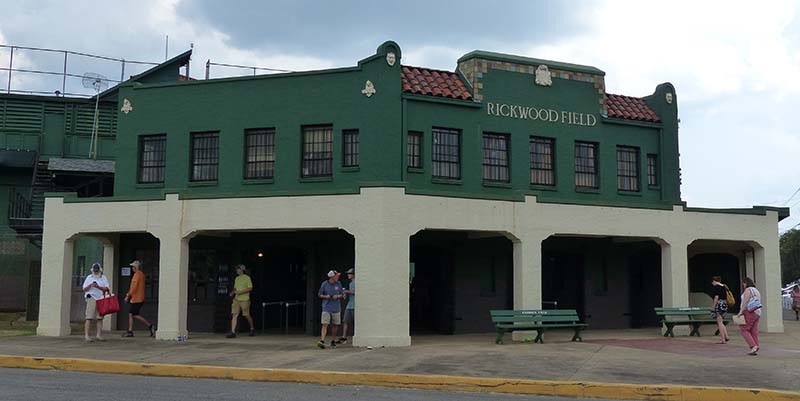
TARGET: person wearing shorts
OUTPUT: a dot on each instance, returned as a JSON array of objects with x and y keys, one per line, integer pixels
[
  {"x": 242, "y": 286},
  {"x": 350, "y": 309},
  {"x": 95, "y": 285},
  {"x": 331, "y": 294},
  {"x": 135, "y": 300},
  {"x": 719, "y": 307}
]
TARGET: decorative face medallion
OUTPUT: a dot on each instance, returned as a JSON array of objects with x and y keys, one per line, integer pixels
[
  {"x": 668, "y": 97},
  {"x": 391, "y": 59},
  {"x": 126, "y": 106},
  {"x": 543, "y": 76},
  {"x": 369, "y": 89}
]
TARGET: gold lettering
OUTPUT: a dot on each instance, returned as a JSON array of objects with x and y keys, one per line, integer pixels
[
  {"x": 552, "y": 115},
  {"x": 490, "y": 108},
  {"x": 564, "y": 115},
  {"x": 500, "y": 110},
  {"x": 591, "y": 120}
]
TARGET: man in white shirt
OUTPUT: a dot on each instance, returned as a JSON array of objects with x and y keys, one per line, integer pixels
[{"x": 95, "y": 285}]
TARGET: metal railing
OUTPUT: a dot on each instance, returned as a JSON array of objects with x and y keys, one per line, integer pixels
[
  {"x": 19, "y": 207},
  {"x": 283, "y": 316},
  {"x": 246, "y": 67},
  {"x": 64, "y": 73}
]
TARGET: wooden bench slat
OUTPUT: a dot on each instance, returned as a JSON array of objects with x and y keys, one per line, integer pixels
[{"x": 536, "y": 320}]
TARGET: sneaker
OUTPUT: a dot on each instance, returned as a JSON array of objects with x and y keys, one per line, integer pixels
[
  {"x": 101, "y": 339},
  {"x": 88, "y": 339},
  {"x": 231, "y": 335},
  {"x": 342, "y": 340},
  {"x": 152, "y": 328},
  {"x": 321, "y": 344},
  {"x": 333, "y": 343},
  {"x": 252, "y": 333},
  {"x": 128, "y": 334}
]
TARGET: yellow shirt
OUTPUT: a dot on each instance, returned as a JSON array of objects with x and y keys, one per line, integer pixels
[{"x": 242, "y": 282}]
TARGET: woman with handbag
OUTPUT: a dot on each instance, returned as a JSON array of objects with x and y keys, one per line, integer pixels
[
  {"x": 751, "y": 311},
  {"x": 94, "y": 288},
  {"x": 719, "y": 307}
]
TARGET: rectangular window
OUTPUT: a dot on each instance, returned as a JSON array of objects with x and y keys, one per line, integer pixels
[
  {"x": 259, "y": 154},
  {"x": 446, "y": 153},
  {"x": 586, "y": 165},
  {"x": 414, "y": 149},
  {"x": 495, "y": 157},
  {"x": 317, "y": 151},
  {"x": 627, "y": 168},
  {"x": 350, "y": 138},
  {"x": 543, "y": 161},
  {"x": 205, "y": 156},
  {"x": 652, "y": 170},
  {"x": 152, "y": 158}
]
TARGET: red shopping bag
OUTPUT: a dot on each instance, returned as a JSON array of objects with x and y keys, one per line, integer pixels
[{"x": 108, "y": 304}]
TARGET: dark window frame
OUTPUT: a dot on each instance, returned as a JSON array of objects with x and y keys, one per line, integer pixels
[
  {"x": 208, "y": 154},
  {"x": 414, "y": 151},
  {"x": 628, "y": 169},
  {"x": 442, "y": 164},
  {"x": 652, "y": 170},
  {"x": 540, "y": 168},
  {"x": 587, "y": 168},
  {"x": 494, "y": 169},
  {"x": 158, "y": 169},
  {"x": 259, "y": 169},
  {"x": 316, "y": 167},
  {"x": 350, "y": 149}
]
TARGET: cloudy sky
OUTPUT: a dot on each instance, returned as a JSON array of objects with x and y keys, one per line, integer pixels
[{"x": 736, "y": 67}]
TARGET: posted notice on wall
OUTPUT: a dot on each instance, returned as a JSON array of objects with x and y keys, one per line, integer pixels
[{"x": 126, "y": 271}]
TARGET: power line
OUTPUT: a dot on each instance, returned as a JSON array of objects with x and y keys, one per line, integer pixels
[{"x": 793, "y": 195}]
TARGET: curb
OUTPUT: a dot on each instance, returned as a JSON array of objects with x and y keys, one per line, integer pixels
[{"x": 412, "y": 381}]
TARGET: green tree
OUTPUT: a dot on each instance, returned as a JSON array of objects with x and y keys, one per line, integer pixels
[{"x": 790, "y": 255}]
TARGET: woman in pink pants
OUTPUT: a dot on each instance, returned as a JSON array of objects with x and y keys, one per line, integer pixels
[{"x": 751, "y": 310}]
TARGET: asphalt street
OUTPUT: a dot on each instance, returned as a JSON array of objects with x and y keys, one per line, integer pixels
[{"x": 35, "y": 385}]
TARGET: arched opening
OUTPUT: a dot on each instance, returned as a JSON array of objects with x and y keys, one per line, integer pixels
[
  {"x": 457, "y": 277},
  {"x": 286, "y": 268},
  {"x": 731, "y": 260},
  {"x": 612, "y": 282}
]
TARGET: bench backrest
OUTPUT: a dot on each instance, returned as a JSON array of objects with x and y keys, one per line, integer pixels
[
  {"x": 535, "y": 316},
  {"x": 684, "y": 311}
]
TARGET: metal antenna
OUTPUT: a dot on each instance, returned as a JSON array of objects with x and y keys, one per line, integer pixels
[{"x": 99, "y": 83}]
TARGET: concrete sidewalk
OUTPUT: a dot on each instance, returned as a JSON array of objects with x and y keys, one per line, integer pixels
[{"x": 618, "y": 356}]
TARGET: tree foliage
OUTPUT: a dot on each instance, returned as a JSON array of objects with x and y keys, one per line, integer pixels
[{"x": 790, "y": 255}]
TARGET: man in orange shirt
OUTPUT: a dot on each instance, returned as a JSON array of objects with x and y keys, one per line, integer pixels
[{"x": 135, "y": 299}]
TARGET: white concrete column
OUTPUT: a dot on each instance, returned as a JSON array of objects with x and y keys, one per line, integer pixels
[
  {"x": 110, "y": 267},
  {"x": 173, "y": 285},
  {"x": 528, "y": 273},
  {"x": 527, "y": 277},
  {"x": 749, "y": 265},
  {"x": 674, "y": 273},
  {"x": 382, "y": 294},
  {"x": 55, "y": 292},
  {"x": 768, "y": 281}
]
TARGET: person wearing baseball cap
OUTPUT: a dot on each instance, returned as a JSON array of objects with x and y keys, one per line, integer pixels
[
  {"x": 95, "y": 285},
  {"x": 350, "y": 309},
  {"x": 331, "y": 294},
  {"x": 135, "y": 300}
]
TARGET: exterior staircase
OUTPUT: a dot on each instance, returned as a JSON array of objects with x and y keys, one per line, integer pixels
[
  {"x": 26, "y": 210},
  {"x": 42, "y": 182}
]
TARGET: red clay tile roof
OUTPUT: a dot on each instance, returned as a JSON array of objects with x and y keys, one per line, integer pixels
[
  {"x": 630, "y": 108},
  {"x": 425, "y": 81}
]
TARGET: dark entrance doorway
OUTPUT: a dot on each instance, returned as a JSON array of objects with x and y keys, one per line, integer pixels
[
  {"x": 286, "y": 269},
  {"x": 457, "y": 277},
  {"x": 563, "y": 281},
  {"x": 645, "y": 286}
]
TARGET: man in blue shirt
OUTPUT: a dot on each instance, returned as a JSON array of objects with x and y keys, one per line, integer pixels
[
  {"x": 350, "y": 310},
  {"x": 331, "y": 294}
]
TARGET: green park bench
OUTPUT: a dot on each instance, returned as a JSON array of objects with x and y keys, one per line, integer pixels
[
  {"x": 507, "y": 321},
  {"x": 693, "y": 317}
]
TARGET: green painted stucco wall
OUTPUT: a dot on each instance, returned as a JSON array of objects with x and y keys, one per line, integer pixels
[{"x": 287, "y": 102}]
